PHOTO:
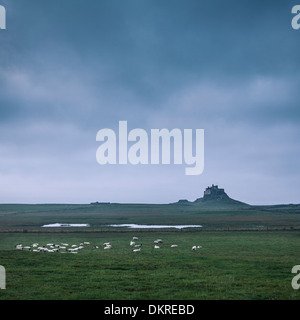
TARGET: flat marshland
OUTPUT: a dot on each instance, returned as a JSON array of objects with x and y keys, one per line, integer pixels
[{"x": 244, "y": 254}]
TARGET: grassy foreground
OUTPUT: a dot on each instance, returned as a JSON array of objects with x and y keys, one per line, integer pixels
[{"x": 230, "y": 265}]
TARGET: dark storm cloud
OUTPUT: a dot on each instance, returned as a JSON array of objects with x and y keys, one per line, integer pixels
[
  {"x": 151, "y": 48},
  {"x": 145, "y": 44},
  {"x": 70, "y": 68}
]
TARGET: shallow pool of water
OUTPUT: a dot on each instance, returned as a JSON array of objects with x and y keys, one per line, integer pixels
[
  {"x": 56, "y": 225},
  {"x": 143, "y": 226}
]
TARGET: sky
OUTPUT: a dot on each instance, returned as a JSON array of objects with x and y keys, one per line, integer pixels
[{"x": 71, "y": 68}]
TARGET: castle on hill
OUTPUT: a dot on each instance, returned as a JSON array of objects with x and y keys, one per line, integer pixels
[{"x": 214, "y": 192}]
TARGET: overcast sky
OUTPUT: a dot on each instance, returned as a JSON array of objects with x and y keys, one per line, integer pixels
[{"x": 70, "y": 68}]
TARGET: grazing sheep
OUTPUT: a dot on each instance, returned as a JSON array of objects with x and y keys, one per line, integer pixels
[
  {"x": 73, "y": 250},
  {"x": 132, "y": 243},
  {"x": 138, "y": 245},
  {"x": 194, "y": 248},
  {"x": 135, "y": 238},
  {"x": 199, "y": 247},
  {"x": 156, "y": 247},
  {"x": 136, "y": 250},
  {"x": 174, "y": 246}
]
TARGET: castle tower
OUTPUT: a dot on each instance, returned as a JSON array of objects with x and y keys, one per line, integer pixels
[{"x": 214, "y": 192}]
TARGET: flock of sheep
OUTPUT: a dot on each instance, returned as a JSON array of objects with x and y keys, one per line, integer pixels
[
  {"x": 67, "y": 248},
  {"x": 51, "y": 247}
]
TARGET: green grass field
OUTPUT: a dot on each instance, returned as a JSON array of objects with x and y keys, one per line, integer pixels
[{"x": 244, "y": 255}]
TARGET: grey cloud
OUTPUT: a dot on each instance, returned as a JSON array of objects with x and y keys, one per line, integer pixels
[{"x": 70, "y": 68}]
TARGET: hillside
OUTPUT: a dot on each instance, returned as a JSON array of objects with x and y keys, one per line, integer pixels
[
  {"x": 215, "y": 198},
  {"x": 214, "y": 211}
]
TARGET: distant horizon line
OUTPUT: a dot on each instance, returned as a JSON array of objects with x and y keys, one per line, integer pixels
[{"x": 132, "y": 203}]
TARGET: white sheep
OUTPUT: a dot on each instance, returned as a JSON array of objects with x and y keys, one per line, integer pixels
[
  {"x": 136, "y": 250},
  {"x": 174, "y": 246},
  {"x": 194, "y": 248},
  {"x": 156, "y": 247}
]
